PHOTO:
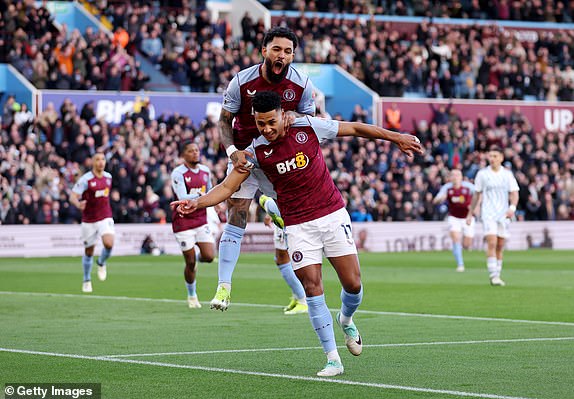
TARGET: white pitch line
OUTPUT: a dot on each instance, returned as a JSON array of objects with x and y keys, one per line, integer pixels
[
  {"x": 271, "y": 375},
  {"x": 256, "y": 305},
  {"x": 407, "y": 344}
]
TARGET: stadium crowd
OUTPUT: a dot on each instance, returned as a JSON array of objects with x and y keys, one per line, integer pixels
[
  {"x": 537, "y": 10},
  {"x": 448, "y": 61},
  {"x": 40, "y": 158},
  {"x": 53, "y": 58}
]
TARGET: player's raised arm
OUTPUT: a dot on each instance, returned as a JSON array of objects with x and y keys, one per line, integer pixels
[
  {"x": 407, "y": 143},
  {"x": 218, "y": 194}
]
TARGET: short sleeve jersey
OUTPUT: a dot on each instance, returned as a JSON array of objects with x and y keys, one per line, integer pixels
[
  {"x": 189, "y": 183},
  {"x": 296, "y": 91},
  {"x": 295, "y": 166},
  {"x": 96, "y": 192},
  {"x": 458, "y": 199},
  {"x": 495, "y": 187}
]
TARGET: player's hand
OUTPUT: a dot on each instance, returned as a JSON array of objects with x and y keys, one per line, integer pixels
[
  {"x": 268, "y": 221},
  {"x": 184, "y": 207},
  {"x": 410, "y": 144},
  {"x": 510, "y": 214},
  {"x": 469, "y": 219},
  {"x": 289, "y": 119},
  {"x": 240, "y": 161}
]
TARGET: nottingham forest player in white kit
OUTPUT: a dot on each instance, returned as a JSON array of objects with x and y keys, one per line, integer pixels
[
  {"x": 91, "y": 195},
  {"x": 498, "y": 189},
  {"x": 312, "y": 208},
  {"x": 190, "y": 180}
]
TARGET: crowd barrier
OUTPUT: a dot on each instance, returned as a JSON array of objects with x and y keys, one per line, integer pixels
[{"x": 64, "y": 240}]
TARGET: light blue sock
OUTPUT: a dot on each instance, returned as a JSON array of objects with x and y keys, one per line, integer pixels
[
  {"x": 229, "y": 248},
  {"x": 191, "y": 288},
  {"x": 457, "y": 252},
  {"x": 106, "y": 253},
  {"x": 87, "y": 262},
  {"x": 350, "y": 302},
  {"x": 292, "y": 281},
  {"x": 322, "y": 322}
]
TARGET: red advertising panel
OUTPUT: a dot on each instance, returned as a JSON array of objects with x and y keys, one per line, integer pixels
[{"x": 555, "y": 116}]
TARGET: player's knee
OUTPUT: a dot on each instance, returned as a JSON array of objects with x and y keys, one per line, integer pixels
[
  {"x": 207, "y": 258},
  {"x": 313, "y": 288},
  {"x": 353, "y": 287},
  {"x": 281, "y": 257}
]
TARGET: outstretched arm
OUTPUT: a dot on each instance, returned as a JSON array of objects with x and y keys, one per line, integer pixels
[
  {"x": 218, "y": 194},
  {"x": 407, "y": 143}
]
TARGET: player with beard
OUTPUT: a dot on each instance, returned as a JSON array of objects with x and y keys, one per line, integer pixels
[
  {"x": 238, "y": 130},
  {"x": 316, "y": 221}
]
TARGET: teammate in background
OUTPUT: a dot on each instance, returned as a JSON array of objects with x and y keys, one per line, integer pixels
[
  {"x": 275, "y": 74},
  {"x": 313, "y": 210},
  {"x": 273, "y": 219},
  {"x": 497, "y": 188},
  {"x": 91, "y": 195},
  {"x": 458, "y": 195},
  {"x": 190, "y": 180}
]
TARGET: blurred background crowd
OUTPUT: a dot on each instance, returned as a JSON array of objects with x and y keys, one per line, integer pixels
[{"x": 41, "y": 156}]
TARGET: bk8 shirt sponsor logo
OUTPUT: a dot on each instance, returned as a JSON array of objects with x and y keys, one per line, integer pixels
[
  {"x": 102, "y": 193},
  {"x": 299, "y": 161}
]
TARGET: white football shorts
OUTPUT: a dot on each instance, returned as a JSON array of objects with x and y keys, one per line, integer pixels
[
  {"x": 500, "y": 228},
  {"x": 279, "y": 238},
  {"x": 257, "y": 180},
  {"x": 459, "y": 225},
  {"x": 330, "y": 235},
  {"x": 188, "y": 238},
  {"x": 92, "y": 231}
]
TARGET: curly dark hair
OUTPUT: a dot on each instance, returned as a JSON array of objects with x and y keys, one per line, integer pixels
[
  {"x": 279, "y": 31},
  {"x": 265, "y": 101}
]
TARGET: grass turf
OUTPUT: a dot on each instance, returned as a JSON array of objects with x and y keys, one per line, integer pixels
[{"x": 281, "y": 353}]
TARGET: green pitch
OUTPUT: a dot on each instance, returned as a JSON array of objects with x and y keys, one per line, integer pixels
[{"x": 428, "y": 331}]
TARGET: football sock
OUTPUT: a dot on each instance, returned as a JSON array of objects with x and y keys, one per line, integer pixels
[
  {"x": 191, "y": 288},
  {"x": 457, "y": 252},
  {"x": 350, "y": 303},
  {"x": 492, "y": 267},
  {"x": 292, "y": 281},
  {"x": 334, "y": 355},
  {"x": 87, "y": 262},
  {"x": 322, "y": 322},
  {"x": 499, "y": 266},
  {"x": 106, "y": 253},
  {"x": 229, "y": 248}
]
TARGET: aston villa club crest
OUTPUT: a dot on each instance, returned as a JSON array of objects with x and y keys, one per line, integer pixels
[
  {"x": 301, "y": 137},
  {"x": 297, "y": 256},
  {"x": 289, "y": 95}
]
